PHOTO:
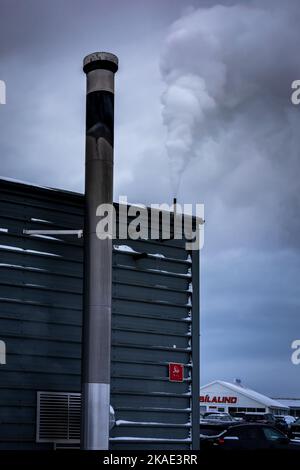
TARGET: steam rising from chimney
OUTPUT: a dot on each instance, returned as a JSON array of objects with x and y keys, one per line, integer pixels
[
  {"x": 228, "y": 72},
  {"x": 185, "y": 103}
]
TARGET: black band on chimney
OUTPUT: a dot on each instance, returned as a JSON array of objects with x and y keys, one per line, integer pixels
[
  {"x": 100, "y": 115},
  {"x": 100, "y": 64}
]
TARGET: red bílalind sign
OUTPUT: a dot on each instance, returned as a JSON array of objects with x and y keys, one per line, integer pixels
[{"x": 215, "y": 399}]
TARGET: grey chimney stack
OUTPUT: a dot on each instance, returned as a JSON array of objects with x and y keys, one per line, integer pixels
[{"x": 100, "y": 69}]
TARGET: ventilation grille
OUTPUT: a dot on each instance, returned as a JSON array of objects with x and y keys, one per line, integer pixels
[{"x": 58, "y": 417}]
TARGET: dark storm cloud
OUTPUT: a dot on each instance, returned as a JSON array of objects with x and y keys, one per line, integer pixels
[
  {"x": 42, "y": 45},
  {"x": 233, "y": 142},
  {"x": 228, "y": 74}
]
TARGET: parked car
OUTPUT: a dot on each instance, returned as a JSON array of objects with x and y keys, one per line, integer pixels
[
  {"x": 265, "y": 418},
  {"x": 212, "y": 429},
  {"x": 281, "y": 424},
  {"x": 294, "y": 430},
  {"x": 256, "y": 417},
  {"x": 287, "y": 418},
  {"x": 217, "y": 417},
  {"x": 210, "y": 413},
  {"x": 248, "y": 436},
  {"x": 214, "y": 423}
]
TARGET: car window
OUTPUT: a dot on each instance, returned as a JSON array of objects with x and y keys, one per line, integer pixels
[
  {"x": 244, "y": 432},
  {"x": 270, "y": 417},
  {"x": 272, "y": 434},
  {"x": 218, "y": 417}
]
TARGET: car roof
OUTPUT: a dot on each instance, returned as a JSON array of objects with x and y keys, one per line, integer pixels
[
  {"x": 240, "y": 426},
  {"x": 250, "y": 424}
]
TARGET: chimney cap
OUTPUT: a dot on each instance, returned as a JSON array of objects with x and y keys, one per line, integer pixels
[{"x": 100, "y": 60}]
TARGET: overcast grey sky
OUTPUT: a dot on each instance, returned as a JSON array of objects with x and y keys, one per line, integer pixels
[{"x": 203, "y": 108}]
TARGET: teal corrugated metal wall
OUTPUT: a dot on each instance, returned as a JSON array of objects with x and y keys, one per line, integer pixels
[{"x": 41, "y": 317}]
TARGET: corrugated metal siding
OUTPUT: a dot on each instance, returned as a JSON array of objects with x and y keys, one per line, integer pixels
[{"x": 41, "y": 317}]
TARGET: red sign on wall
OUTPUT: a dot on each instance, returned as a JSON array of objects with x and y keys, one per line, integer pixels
[{"x": 175, "y": 372}]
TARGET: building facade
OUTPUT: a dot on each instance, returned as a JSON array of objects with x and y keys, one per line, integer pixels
[
  {"x": 231, "y": 398},
  {"x": 155, "y": 323},
  {"x": 293, "y": 404}
]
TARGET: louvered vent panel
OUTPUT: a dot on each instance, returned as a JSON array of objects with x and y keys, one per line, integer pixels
[{"x": 58, "y": 417}]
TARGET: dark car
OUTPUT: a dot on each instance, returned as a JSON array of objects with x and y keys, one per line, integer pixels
[
  {"x": 282, "y": 425},
  {"x": 214, "y": 417},
  {"x": 212, "y": 424},
  {"x": 294, "y": 431},
  {"x": 248, "y": 437},
  {"x": 265, "y": 418}
]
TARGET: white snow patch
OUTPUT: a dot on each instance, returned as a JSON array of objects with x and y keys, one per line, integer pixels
[
  {"x": 124, "y": 248},
  {"x": 46, "y": 237},
  {"x": 169, "y": 272},
  {"x": 157, "y": 255},
  {"x": 8, "y": 247},
  {"x": 6, "y": 265},
  {"x": 40, "y": 220},
  {"x": 16, "y": 248},
  {"x": 42, "y": 253},
  {"x": 121, "y": 422},
  {"x": 152, "y": 439},
  {"x": 33, "y": 285}
]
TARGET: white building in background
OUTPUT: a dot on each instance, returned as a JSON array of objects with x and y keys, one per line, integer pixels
[
  {"x": 292, "y": 403},
  {"x": 231, "y": 398}
]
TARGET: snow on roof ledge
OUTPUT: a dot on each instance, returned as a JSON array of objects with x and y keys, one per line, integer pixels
[
  {"x": 289, "y": 402},
  {"x": 39, "y": 186},
  {"x": 247, "y": 392}
]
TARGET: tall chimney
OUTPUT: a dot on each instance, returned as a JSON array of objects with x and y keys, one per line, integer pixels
[{"x": 100, "y": 69}]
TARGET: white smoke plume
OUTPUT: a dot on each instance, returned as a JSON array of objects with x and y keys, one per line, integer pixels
[
  {"x": 228, "y": 72},
  {"x": 186, "y": 102}
]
